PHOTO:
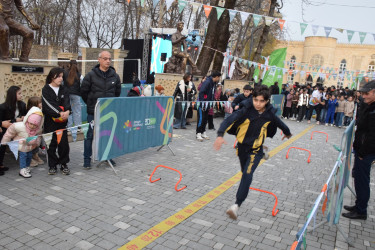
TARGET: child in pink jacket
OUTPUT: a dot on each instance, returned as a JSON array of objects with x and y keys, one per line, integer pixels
[{"x": 29, "y": 127}]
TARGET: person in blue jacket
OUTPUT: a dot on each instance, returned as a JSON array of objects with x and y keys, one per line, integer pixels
[
  {"x": 206, "y": 94},
  {"x": 332, "y": 104}
]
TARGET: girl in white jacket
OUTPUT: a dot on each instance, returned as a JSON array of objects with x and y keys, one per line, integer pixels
[{"x": 24, "y": 132}]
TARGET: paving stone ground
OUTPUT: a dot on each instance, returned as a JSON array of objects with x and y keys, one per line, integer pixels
[{"x": 96, "y": 209}]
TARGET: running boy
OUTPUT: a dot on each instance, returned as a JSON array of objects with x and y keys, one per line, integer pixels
[{"x": 251, "y": 125}]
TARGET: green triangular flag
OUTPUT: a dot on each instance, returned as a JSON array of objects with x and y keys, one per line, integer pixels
[
  {"x": 181, "y": 5},
  {"x": 154, "y": 3},
  {"x": 350, "y": 34},
  {"x": 362, "y": 36},
  {"x": 256, "y": 19},
  {"x": 29, "y": 139},
  {"x": 85, "y": 128},
  {"x": 303, "y": 27},
  {"x": 219, "y": 11},
  {"x": 143, "y": 3}
]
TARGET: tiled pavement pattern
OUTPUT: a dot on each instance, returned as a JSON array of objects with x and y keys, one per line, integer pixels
[{"x": 97, "y": 210}]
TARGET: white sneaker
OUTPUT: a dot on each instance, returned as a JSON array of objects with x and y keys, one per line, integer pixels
[
  {"x": 308, "y": 122},
  {"x": 331, "y": 125},
  {"x": 326, "y": 124},
  {"x": 317, "y": 123},
  {"x": 205, "y": 136},
  {"x": 28, "y": 169},
  {"x": 24, "y": 173},
  {"x": 232, "y": 212},
  {"x": 199, "y": 137}
]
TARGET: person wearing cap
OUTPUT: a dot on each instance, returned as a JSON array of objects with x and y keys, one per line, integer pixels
[{"x": 364, "y": 149}]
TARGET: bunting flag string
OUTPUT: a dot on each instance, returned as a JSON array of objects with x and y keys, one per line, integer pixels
[
  {"x": 13, "y": 145},
  {"x": 257, "y": 18},
  {"x": 298, "y": 68}
]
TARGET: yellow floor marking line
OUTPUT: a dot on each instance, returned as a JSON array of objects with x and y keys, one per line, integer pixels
[{"x": 155, "y": 232}]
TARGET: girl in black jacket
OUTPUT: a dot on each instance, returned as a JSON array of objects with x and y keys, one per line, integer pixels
[
  {"x": 56, "y": 110},
  {"x": 11, "y": 111}
]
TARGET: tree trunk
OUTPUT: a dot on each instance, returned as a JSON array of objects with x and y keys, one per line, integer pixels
[
  {"x": 217, "y": 38},
  {"x": 263, "y": 37},
  {"x": 78, "y": 27}
]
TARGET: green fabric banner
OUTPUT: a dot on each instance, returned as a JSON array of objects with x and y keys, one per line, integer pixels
[{"x": 273, "y": 75}]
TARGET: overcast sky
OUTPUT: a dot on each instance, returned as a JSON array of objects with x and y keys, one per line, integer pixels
[{"x": 358, "y": 15}]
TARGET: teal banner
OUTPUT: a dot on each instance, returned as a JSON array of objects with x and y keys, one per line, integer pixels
[
  {"x": 130, "y": 124},
  {"x": 277, "y": 101},
  {"x": 344, "y": 172}
]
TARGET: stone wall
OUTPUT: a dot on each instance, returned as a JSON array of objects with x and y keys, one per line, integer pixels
[
  {"x": 232, "y": 84},
  {"x": 30, "y": 83},
  {"x": 92, "y": 54},
  {"x": 169, "y": 82},
  {"x": 357, "y": 56}
]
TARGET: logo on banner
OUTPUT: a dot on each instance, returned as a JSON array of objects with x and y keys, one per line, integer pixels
[
  {"x": 127, "y": 126},
  {"x": 137, "y": 125},
  {"x": 150, "y": 123}
]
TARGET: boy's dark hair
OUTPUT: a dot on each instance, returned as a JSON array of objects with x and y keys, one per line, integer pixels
[
  {"x": 231, "y": 94},
  {"x": 215, "y": 73},
  {"x": 262, "y": 90},
  {"x": 237, "y": 90},
  {"x": 321, "y": 88},
  {"x": 53, "y": 74},
  {"x": 247, "y": 87}
]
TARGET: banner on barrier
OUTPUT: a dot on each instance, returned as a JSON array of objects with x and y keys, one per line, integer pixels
[
  {"x": 129, "y": 124},
  {"x": 344, "y": 174},
  {"x": 277, "y": 101}
]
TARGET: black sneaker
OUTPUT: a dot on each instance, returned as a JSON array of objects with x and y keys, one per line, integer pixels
[
  {"x": 113, "y": 162},
  {"x": 65, "y": 170},
  {"x": 52, "y": 171}
]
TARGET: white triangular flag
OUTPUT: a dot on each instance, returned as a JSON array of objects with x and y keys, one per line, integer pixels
[
  {"x": 47, "y": 138},
  {"x": 168, "y": 3},
  {"x": 13, "y": 146},
  {"x": 244, "y": 16}
]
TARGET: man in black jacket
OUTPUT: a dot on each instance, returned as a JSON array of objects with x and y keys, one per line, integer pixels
[
  {"x": 251, "y": 124},
  {"x": 206, "y": 94},
  {"x": 364, "y": 147},
  {"x": 102, "y": 81}
]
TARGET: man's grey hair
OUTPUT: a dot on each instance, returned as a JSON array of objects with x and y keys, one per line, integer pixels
[{"x": 100, "y": 53}]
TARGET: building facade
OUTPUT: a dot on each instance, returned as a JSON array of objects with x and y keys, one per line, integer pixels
[{"x": 321, "y": 60}]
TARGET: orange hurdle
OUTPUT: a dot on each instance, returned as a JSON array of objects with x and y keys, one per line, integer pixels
[
  {"x": 308, "y": 159},
  {"x": 263, "y": 191},
  {"x": 319, "y": 132},
  {"x": 161, "y": 166}
]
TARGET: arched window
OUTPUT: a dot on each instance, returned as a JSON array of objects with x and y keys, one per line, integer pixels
[
  {"x": 317, "y": 60},
  {"x": 309, "y": 80},
  {"x": 320, "y": 81},
  {"x": 341, "y": 76},
  {"x": 371, "y": 66},
  {"x": 292, "y": 66}
]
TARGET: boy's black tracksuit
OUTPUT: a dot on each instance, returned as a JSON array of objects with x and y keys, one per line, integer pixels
[{"x": 251, "y": 129}]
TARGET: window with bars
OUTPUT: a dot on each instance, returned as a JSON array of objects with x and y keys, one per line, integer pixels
[
  {"x": 292, "y": 66},
  {"x": 317, "y": 60},
  {"x": 371, "y": 66},
  {"x": 341, "y": 76}
]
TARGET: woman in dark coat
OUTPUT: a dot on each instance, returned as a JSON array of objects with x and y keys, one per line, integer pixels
[{"x": 11, "y": 111}]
